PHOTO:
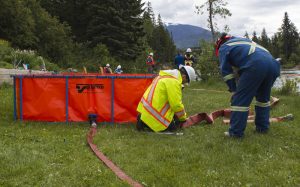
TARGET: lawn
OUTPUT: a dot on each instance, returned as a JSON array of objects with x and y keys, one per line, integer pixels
[{"x": 56, "y": 154}]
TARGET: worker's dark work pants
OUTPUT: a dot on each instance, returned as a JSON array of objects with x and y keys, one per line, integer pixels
[
  {"x": 174, "y": 125},
  {"x": 255, "y": 81},
  {"x": 150, "y": 68}
]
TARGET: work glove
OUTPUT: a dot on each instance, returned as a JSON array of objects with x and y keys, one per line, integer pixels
[{"x": 181, "y": 123}]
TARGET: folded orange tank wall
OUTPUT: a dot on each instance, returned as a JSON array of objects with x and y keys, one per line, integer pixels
[{"x": 70, "y": 98}]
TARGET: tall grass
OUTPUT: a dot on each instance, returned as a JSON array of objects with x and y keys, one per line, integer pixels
[
  {"x": 289, "y": 87},
  {"x": 44, "y": 154}
]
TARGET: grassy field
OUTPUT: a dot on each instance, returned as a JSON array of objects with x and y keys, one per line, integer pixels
[{"x": 44, "y": 154}]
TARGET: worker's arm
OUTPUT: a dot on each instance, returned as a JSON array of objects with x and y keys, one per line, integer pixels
[
  {"x": 175, "y": 99},
  {"x": 226, "y": 70}
]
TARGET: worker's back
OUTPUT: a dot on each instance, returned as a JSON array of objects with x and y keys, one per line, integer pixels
[
  {"x": 161, "y": 100},
  {"x": 242, "y": 53}
]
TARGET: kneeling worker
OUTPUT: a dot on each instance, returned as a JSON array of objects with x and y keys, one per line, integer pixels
[{"x": 161, "y": 106}]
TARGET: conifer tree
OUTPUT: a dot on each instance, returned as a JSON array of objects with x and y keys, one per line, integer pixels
[
  {"x": 162, "y": 43},
  {"x": 73, "y": 12},
  {"x": 149, "y": 22},
  {"x": 119, "y": 25},
  {"x": 264, "y": 39},
  {"x": 274, "y": 46},
  {"x": 254, "y": 37},
  {"x": 289, "y": 35},
  {"x": 246, "y": 35}
]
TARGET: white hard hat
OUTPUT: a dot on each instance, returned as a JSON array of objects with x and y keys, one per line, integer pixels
[
  {"x": 119, "y": 67},
  {"x": 151, "y": 54},
  {"x": 191, "y": 73},
  {"x": 107, "y": 65},
  {"x": 188, "y": 50}
]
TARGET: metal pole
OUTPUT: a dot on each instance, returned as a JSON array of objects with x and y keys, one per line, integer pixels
[
  {"x": 112, "y": 99},
  {"x": 15, "y": 102},
  {"x": 67, "y": 99},
  {"x": 21, "y": 98}
]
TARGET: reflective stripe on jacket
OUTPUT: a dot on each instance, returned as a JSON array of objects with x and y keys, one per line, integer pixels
[
  {"x": 240, "y": 54},
  {"x": 188, "y": 61},
  {"x": 162, "y": 100}
]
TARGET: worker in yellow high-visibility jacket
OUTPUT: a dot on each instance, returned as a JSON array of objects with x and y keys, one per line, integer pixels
[{"x": 161, "y": 106}]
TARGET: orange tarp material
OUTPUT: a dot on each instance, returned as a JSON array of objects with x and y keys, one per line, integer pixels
[
  {"x": 70, "y": 97},
  {"x": 44, "y": 99},
  {"x": 125, "y": 103},
  {"x": 90, "y": 96}
]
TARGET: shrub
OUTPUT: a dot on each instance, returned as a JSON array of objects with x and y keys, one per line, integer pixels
[
  {"x": 289, "y": 87},
  {"x": 5, "y": 51},
  {"x": 208, "y": 63},
  {"x": 93, "y": 58},
  {"x": 4, "y": 43},
  {"x": 294, "y": 59},
  {"x": 6, "y": 65}
]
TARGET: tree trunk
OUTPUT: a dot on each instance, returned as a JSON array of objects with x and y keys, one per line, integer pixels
[{"x": 211, "y": 21}]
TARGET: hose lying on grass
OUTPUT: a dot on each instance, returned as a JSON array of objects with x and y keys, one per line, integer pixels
[
  {"x": 121, "y": 174},
  {"x": 209, "y": 118},
  {"x": 192, "y": 120}
]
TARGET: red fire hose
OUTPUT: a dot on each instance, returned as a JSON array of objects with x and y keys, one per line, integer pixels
[
  {"x": 192, "y": 120},
  {"x": 121, "y": 174},
  {"x": 209, "y": 118}
]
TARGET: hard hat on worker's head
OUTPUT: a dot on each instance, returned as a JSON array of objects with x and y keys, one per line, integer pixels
[
  {"x": 223, "y": 38},
  {"x": 189, "y": 71},
  {"x": 107, "y": 65},
  {"x": 119, "y": 67},
  {"x": 188, "y": 50},
  {"x": 151, "y": 54}
]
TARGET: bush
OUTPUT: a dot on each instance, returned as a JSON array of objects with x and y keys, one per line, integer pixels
[
  {"x": 4, "y": 43},
  {"x": 289, "y": 87},
  {"x": 208, "y": 63},
  {"x": 9, "y": 58},
  {"x": 93, "y": 58},
  {"x": 139, "y": 65},
  {"x": 294, "y": 59},
  {"x": 6, "y": 65},
  {"x": 5, "y": 51}
]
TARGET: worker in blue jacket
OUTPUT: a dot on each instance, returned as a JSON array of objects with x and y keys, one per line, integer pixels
[
  {"x": 257, "y": 70},
  {"x": 179, "y": 60}
]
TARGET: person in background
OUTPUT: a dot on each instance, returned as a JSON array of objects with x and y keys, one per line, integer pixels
[
  {"x": 150, "y": 63},
  {"x": 161, "y": 107},
  {"x": 257, "y": 71},
  {"x": 107, "y": 69},
  {"x": 179, "y": 60},
  {"x": 188, "y": 57},
  {"x": 119, "y": 70}
]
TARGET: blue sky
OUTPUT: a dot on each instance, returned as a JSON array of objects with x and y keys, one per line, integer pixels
[{"x": 246, "y": 15}]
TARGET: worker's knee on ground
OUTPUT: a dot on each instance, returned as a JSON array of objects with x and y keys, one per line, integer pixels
[
  {"x": 174, "y": 125},
  {"x": 139, "y": 125}
]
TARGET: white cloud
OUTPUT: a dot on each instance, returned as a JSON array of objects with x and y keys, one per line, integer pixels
[{"x": 246, "y": 15}]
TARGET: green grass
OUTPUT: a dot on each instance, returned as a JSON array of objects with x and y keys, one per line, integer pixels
[{"x": 44, "y": 154}]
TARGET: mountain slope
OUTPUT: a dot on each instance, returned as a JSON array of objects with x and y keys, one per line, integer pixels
[{"x": 186, "y": 36}]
